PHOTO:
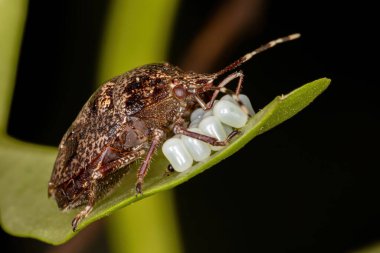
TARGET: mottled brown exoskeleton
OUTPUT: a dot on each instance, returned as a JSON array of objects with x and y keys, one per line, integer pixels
[{"x": 127, "y": 119}]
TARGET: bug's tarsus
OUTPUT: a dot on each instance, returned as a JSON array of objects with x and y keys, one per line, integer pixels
[
  {"x": 74, "y": 223},
  {"x": 82, "y": 214},
  {"x": 264, "y": 47},
  {"x": 232, "y": 135},
  {"x": 139, "y": 189}
]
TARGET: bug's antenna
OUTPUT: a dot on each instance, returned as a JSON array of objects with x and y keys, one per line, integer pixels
[{"x": 264, "y": 47}]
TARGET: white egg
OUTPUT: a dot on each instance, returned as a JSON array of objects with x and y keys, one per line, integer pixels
[
  {"x": 218, "y": 122},
  {"x": 227, "y": 128},
  {"x": 176, "y": 153},
  {"x": 244, "y": 99},
  {"x": 194, "y": 123},
  {"x": 228, "y": 98},
  {"x": 197, "y": 114},
  {"x": 230, "y": 114},
  {"x": 207, "y": 113},
  {"x": 212, "y": 126}
]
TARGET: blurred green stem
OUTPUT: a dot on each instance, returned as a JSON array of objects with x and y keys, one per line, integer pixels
[
  {"x": 136, "y": 33},
  {"x": 12, "y": 20},
  {"x": 146, "y": 226}
]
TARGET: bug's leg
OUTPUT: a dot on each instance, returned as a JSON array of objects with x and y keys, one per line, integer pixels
[
  {"x": 208, "y": 139},
  {"x": 223, "y": 83},
  {"x": 204, "y": 105},
  {"x": 82, "y": 214},
  {"x": 124, "y": 159},
  {"x": 109, "y": 161},
  {"x": 158, "y": 135},
  {"x": 107, "y": 154},
  {"x": 201, "y": 102},
  {"x": 235, "y": 95}
]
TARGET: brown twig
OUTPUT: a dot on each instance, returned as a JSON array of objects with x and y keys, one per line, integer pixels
[{"x": 225, "y": 27}]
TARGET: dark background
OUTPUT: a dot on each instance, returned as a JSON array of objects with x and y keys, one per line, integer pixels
[{"x": 309, "y": 185}]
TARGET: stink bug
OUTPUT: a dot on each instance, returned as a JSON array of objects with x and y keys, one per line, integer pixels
[{"x": 126, "y": 120}]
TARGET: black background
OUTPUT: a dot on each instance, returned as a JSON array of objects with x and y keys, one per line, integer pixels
[{"x": 309, "y": 185}]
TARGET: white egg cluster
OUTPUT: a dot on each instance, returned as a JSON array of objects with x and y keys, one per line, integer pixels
[{"x": 218, "y": 122}]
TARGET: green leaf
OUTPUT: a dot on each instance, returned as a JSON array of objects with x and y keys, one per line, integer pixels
[{"x": 26, "y": 211}]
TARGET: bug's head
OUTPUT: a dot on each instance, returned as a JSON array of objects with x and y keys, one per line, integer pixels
[{"x": 192, "y": 86}]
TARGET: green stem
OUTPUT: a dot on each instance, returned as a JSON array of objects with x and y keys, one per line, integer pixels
[
  {"x": 146, "y": 226},
  {"x": 12, "y": 20}
]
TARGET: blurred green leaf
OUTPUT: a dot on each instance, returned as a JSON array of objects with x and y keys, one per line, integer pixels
[
  {"x": 26, "y": 210},
  {"x": 12, "y": 19}
]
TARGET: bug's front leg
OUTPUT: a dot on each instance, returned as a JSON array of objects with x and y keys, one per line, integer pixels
[
  {"x": 223, "y": 83},
  {"x": 221, "y": 88},
  {"x": 178, "y": 129},
  {"x": 158, "y": 135}
]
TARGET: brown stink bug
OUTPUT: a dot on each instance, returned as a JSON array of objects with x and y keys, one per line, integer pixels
[{"x": 126, "y": 120}]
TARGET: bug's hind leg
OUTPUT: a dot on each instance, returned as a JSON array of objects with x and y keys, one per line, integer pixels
[
  {"x": 83, "y": 214},
  {"x": 105, "y": 165}
]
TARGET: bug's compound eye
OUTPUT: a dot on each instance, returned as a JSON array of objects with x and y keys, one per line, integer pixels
[{"x": 179, "y": 91}]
